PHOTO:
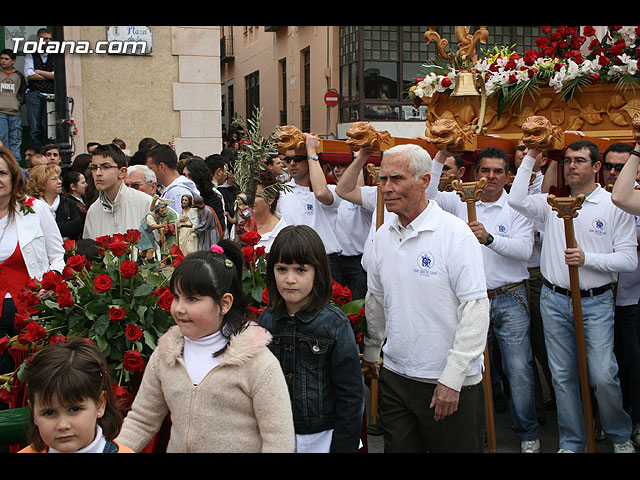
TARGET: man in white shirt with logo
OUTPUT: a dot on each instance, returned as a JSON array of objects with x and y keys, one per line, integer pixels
[
  {"x": 507, "y": 239},
  {"x": 627, "y": 343},
  {"x": 606, "y": 240},
  {"x": 427, "y": 298},
  {"x": 309, "y": 201}
]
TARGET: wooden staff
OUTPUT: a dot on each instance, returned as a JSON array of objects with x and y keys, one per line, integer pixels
[
  {"x": 469, "y": 193},
  {"x": 567, "y": 208},
  {"x": 363, "y": 135}
]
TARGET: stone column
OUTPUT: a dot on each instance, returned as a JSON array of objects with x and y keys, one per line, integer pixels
[{"x": 197, "y": 94}]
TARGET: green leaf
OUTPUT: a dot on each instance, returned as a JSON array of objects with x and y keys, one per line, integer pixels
[
  {"x": 149, "y": 340},
  {"x": 101, "y": 324},
  {"x": 143, "y": 290}
]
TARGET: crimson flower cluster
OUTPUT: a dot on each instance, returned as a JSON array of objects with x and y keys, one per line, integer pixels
[{"x": 112, "y": 299}]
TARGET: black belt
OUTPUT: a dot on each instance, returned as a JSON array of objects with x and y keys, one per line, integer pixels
[
  {"x": 503, "y": 290},
  {"x": 592, "y": 292}
]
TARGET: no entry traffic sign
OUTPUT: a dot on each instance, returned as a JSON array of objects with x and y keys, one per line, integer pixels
[{"x": 331, "y": 98}]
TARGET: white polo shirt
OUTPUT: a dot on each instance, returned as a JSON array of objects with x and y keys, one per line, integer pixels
[
  {"x": 423, "y": 273},
  {"x": 628, "y": 290},
  {"x": 300, "y": 207},
  {"x": 534, "y": 261},
  {"x": 369, "y": 197},
  {"x": 605, "y": 233},
  {"x": 353, "y": 225},
  {"x": 506, "y": 258}
]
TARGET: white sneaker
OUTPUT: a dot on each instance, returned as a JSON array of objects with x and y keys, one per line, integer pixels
[
  {"x": 635, "y": 435},
  {"x": 530, "y": 446},
  {"x": 626, "y": 447},
  {"x": 564, "y": 450}
]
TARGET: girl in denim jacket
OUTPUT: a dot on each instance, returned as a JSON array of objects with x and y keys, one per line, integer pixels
[{"x": 314, "y": 343}]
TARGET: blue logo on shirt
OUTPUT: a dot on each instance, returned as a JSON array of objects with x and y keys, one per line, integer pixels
[
  {"x": 599, "y": 226},
  {"x": 309, "y": 209},
  {"x": 426, "y": 263},
  {"x": 501, "y": 228}
]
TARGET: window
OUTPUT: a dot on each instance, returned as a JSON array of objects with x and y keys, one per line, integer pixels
[
  {"x": 283, "y": 77},
  {"x": 252, "y": 86},
  {"x": 378, "y": 65},
  {"x": 306, "y": 91}
]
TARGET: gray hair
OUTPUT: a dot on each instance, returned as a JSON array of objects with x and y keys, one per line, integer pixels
[
  {"x": 419, "y": 158},
  {"x": 149, "y": 175}
]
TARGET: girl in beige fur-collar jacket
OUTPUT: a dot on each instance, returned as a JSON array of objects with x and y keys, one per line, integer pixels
[{"x": 225, "y": 390}]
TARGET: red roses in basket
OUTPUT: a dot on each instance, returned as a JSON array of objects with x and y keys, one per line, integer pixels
[{"x": 111, "y": 299}]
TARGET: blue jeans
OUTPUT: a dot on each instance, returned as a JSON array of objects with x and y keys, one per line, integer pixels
[
  {"x": 510, "y": 327},
  {"x": 11, "y": 133},
  {"x": 627, "y": 340},
  {"x": 560, "y": 339},
  {"x": 37, "y": 116}
]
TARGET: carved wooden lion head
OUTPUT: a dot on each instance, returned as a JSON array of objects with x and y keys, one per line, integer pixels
[
  {"x": 539, "y": 133},
  {"x": 291, "y": 138},
  {"x": 446, "y": 133},
  {"x": 364, "y": 135},
  {"x": 635, "y": 124}
]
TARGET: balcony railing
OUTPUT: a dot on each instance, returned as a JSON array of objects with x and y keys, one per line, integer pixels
[{"x": 226, "y": 49}]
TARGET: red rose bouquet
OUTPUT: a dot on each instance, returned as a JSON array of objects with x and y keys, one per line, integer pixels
[
  {"x": 353, "y": 309},
  {"x": 120, "y": 305},
  {"x": 255, "y": 271}
]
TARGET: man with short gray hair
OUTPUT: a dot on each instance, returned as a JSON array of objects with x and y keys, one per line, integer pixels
[
  {"x": 428, "y": 299},
  {"x": 142, "y": 178}
]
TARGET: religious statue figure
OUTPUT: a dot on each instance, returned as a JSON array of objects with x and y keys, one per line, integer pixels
[
  {"x": 244, "y": 220},
  {"x": 187, "y": 238},
  {"x": 207, "y": 229},
  {"x": 158, "y": 230}
]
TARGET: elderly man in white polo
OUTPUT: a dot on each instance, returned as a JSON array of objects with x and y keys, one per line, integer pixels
[{"x": 428, "y": 299}]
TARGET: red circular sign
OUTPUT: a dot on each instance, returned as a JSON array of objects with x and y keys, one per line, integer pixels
[{"x": 331, "y": 98}]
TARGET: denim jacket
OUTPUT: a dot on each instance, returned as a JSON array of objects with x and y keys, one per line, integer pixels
[{"x": 320, "y": 361}]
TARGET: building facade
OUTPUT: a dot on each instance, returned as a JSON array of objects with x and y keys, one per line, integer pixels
[
  {"x": 288, "y": 70},
  {"x": 172, "y": 93}
]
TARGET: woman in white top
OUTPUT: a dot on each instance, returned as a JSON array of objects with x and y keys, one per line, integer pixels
[
  {"x": 30, "y": 245},
  {"x": 268, "y": 221}
]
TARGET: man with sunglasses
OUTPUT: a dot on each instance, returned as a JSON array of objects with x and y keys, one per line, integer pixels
[
  {"x": 118, "y": 207},
  {"x": 615, "y": 156},
  {"x": 308, "y": 200},
  {"x": 606, "y": 245},
  {"x": 627, "y": 341}
]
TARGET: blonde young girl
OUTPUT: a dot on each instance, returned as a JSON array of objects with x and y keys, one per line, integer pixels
[
  {"x": 314, "y": 343},
  {"x": 72, "y": 405},
  {"x": 212, "y": 372}
]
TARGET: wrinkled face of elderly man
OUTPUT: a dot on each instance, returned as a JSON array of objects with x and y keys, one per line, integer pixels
[
  {"x": 402, "y": 190},
  {"x": 137, "y": 181}
]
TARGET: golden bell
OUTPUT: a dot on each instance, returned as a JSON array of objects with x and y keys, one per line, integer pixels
[{"x": 465, "y": 85}]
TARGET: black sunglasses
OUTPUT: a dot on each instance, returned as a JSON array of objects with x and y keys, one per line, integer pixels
[
  {"x": 609, "y": 166},
  {"x": 294, "y": 158}
]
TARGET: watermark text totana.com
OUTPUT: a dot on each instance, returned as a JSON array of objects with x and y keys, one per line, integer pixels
[{"x": 20, "y": 45}]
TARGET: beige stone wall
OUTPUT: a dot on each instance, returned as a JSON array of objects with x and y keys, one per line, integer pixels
[{"x": 173, "y": 94}]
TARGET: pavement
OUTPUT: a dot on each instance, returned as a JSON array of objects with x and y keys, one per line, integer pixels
[{"x": 506, "y": 440}]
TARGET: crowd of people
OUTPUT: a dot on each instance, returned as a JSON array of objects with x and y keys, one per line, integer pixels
[{"x": 438, "y": 288}]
